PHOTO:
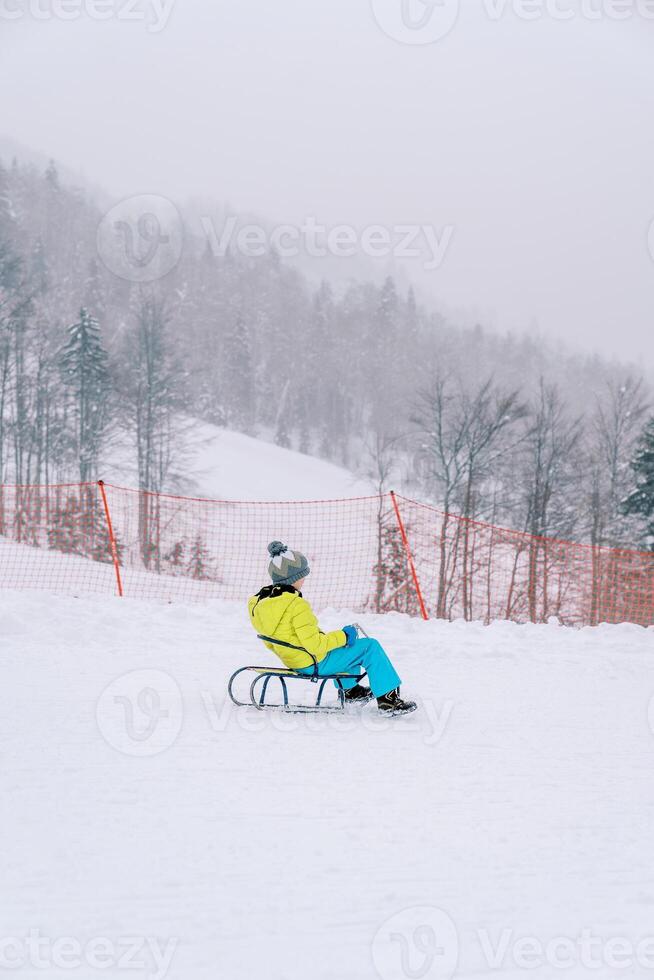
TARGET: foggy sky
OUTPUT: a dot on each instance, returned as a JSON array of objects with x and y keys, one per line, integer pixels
[{"x": 533, "y": 140}]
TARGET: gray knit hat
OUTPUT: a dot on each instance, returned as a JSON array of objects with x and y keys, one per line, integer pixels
[{"x": 286, "y": 566}]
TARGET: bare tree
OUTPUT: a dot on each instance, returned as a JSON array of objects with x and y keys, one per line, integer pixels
[
  {"x": 150, "y": 379},
  {"x": 461, "y": 439},
  {"x": 548, "y": 484}
]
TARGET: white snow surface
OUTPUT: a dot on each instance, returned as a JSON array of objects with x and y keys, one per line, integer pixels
[
  {"x": 226, "y": 465},
  {"x": 137, "y": 802}
]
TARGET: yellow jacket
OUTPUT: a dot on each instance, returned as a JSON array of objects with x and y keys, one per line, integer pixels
[{"x": 282, "y": 613}]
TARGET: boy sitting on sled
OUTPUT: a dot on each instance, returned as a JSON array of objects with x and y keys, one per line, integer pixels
[{"x": 279, "y": 612}]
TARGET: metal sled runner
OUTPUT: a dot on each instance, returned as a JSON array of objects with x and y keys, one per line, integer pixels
[{"x": 259, "y": 686}]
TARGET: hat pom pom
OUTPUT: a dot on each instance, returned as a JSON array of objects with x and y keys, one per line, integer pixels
[{"x": 276, "y": 548}]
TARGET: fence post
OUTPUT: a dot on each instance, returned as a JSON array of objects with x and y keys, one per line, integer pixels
[
  {"x": 112, "y": 538},
  {"x": 409, "y": 556}
]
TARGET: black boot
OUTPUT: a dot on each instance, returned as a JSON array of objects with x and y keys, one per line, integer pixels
[
  {"x": 392, "y": 704},
  {"x": 358, "y": 694}
]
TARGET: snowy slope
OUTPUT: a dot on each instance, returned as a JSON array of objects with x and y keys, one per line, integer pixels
[
  {"x": 516, "y": 803},
  {"x": 226, "y": 465}
]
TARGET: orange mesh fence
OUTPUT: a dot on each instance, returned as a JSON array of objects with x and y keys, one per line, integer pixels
[
  {"x": 475, "y": 571},
  {"x": 376, "y": 554},
  {"x": 55, "y": 538}
]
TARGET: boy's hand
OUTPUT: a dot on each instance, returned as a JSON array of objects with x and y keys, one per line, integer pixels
[{"x": 351, "y": 634}]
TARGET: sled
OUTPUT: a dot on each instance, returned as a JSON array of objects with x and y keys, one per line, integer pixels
[{"x": 260, "y": 684}]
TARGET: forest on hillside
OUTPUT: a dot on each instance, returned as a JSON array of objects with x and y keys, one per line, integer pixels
[{"x": 509, "y": 429}]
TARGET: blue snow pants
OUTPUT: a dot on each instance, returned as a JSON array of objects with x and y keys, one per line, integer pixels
[{"x": 364, "y": 652}]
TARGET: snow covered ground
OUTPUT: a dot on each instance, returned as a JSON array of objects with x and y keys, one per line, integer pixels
[
  {"x": 225, "y": 465},
  {"x": 508, "y": 824}
]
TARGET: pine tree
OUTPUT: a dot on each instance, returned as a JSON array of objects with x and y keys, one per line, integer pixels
[
  {"x": 386, "y": 322},
  {"x": 282, "y": 437},
  {"x": 6, "y": 209},
  {"x": 394, "y": 591},
  {"x": 640, "y": 503},
  {"x": 94, "y": 294},
  {"x": 200, "y": 565},
  {"x": 385, "y": 351},
  {"x": 173, "y": 560},
  {"x": 83, "y": 364},
  {"x": 78, "y": 526},
  {"x": 411, "y": 324},
  {"x": 388, "y": 305},
  {"x": 65, "y": 527},
  {"x": 239, "y": 388},
  {"x": 52, "y": 176},
  {"x": 39, "y": 272},
  {"x": 316, "y": 379},
  {"x": 282, "y": 434},
  {"x": 304, "y": 431}
]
